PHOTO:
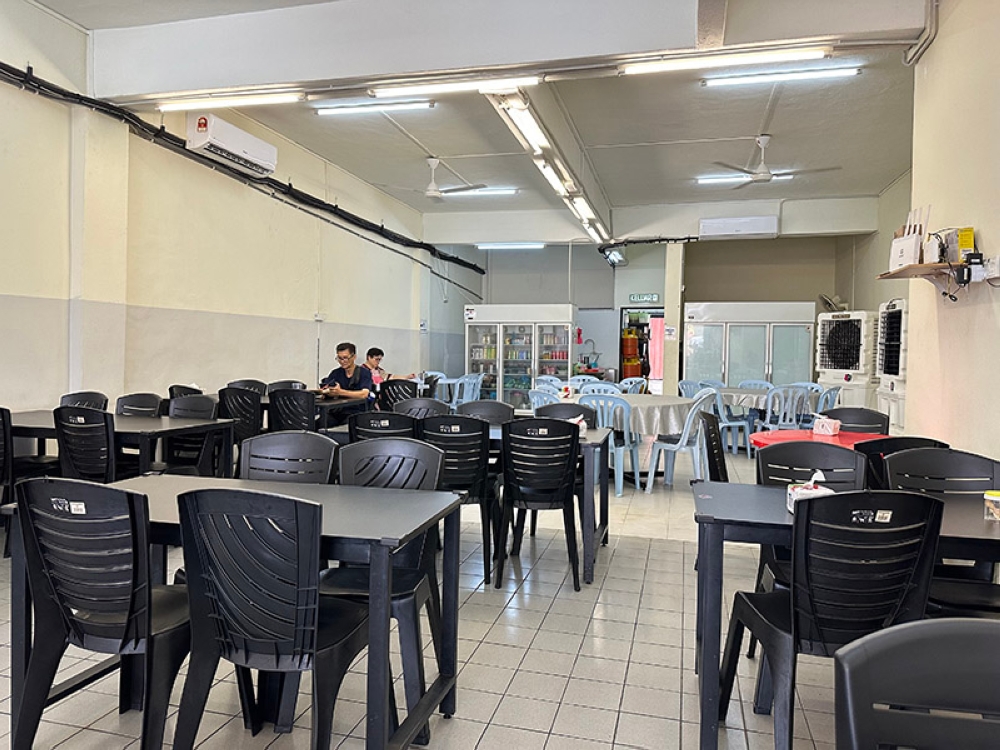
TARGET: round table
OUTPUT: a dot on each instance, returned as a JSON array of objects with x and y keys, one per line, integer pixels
[
  {"x": 845, "y": 439},
  {"x": 653, "y": 414},
  {"x": 751, "y": 398}
]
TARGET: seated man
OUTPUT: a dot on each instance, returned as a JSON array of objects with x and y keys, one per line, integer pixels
[
  {"x": 373, "y": 362},
  {"x": 348, "y": 381}
]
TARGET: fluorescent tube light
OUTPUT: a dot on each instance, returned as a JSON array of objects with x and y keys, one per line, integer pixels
[
  {"x": 510, "y": 245},
  {"x": 483, "y": 86},
  {"x": 491, "y": 191},
  {"x": 583, "y": 209},
  {"x": 530, "y": 128},
  {"x": 800, "y": 75},
  {"x": 216, "y": 102},
  {"x": 733, "y": 179},
  {"x": 362, "y": 109},
  {"x": 593, "y": 233},
  {"x": 551, "y": 176},
  {"x": 701, "y": 62}
]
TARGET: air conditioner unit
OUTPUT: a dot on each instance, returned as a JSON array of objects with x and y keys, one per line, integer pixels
[
  {"x": 224, "y": 142},
  {"x": 891, "y": 365},
  {"x": 845, "y": 355},
  {"x": 739, "y": 228}
]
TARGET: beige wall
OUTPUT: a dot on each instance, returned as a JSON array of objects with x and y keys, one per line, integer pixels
[{"x": 954, "y": 350}]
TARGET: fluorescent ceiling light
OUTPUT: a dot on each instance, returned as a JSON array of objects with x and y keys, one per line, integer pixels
[
  {"x": 582, "y": 208},
  {"x": 530, "y": 128},
  {"x": 361, "y": 109},
  {"x": 701, "y": 62},
  {"x": 492, "y": 191},
  {"x": 483, "y": 86},
  {"x": 551, "y": 176},
  {"x": 593, "y": 233},
  {"x": 216, "y": 102},
  {"x": 800, "y": 75},
  {"x": 733, "y": 179},
  {"x": 510, "y": 245}
]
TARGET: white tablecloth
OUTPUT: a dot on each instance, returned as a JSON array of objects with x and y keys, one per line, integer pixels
[
  {"x": 654, "y": 415},
  {"x": 751, "y": 398}
]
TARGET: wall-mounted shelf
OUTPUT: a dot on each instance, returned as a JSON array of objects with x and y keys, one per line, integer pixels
[{"x": 919, "y": 271}]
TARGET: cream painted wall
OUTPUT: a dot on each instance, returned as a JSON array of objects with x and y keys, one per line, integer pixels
[
  {"x": 55, "y": 49},
  {"x": 861, "y": 259},
  {"x": 954, "y": 354}
]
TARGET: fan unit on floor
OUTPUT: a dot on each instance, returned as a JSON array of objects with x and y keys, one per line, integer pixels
[
  {"x": 891, "y": 365},
  {"x": 845, "y": 354}
]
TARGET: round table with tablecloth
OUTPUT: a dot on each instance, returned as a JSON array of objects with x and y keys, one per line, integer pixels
[{"x": 654, "y": 414}]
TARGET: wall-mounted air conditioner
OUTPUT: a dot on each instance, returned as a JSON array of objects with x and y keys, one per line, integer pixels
[
  {"x": 739, "y": 228},
  {"x": 224, "y": 142}
]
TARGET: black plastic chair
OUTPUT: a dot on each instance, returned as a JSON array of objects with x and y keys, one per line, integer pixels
[
  {"x": 430, "y": 386},
  {"x": 715, "y": 449},
  {"x": 861, "y": 562},
  {"x": 465, "y": 441},
  {"x": 568, "y": 410},
  {"x": 192, "y": 453},
  {"x": 421, "y": 407},
  {"x": 183, "y": 390},
  {"x": 86, "y": 550},
  {"x": 957, "y": 590},
  {"x": 539, "y": 473},
  {"x": 932, "y": 685},
  {"x": 87, "y": 447},
  {"x": 294, "y": 456},
  {"x": 857, "y": 419},
  {"x": 139, "y": 405},
  {"x": 279, "y": 385},
  {"x": 494, "y": 412},
  {"x": 244, "y": 406},
  {"x": 291, "y": 409},
  {"x": 875, "y": 452},
  {"x": 391, "y": 392},
  {"x": 253, "y": 564},
  {"x": 397, "y": 463},
  {"x": 370, "y": 424},
  {"x": 89, "y": 399},
  {"x": 250, "y": 384}
]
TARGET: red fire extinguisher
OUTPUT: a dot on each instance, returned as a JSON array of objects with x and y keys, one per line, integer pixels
[{"x": 579, "y": 336}]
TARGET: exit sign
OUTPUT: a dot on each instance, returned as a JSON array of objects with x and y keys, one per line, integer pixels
[{"x": 644, "y": 297}]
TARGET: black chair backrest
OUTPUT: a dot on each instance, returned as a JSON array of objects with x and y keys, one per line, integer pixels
[
  {"x": 465, "y": 441},
  {"x": 139, "y": 405},
  {"x": 421, "y": 407},
  {"x": 6, "y": 458},
  {"x": 244, "y": 406},
  {"x": 716, "y": 450},
  {"x": 875, "y": 452},
  {"x": 568, "y": 411},
  {"x": 193, "y": 407},
  {"x": 887, "y": 694},
  {"x": 90, "y": 399},
  {"x": 795, "y": 462},
  {"x": 183, "y": 390},
  {"x": 430, "y": 386},
  {"x": 494, "y": 412},
  {"x": 941, "y": 471},
  {"x": 250, "y": 384},
  {"x": 392, "y": 391},
  {"x": 291, "y": 409},
  {"x": 861, "y": 561},
  {"x": 252, "y": 563},
  {"x": 371, "y": 424},
  {"x": 539, "y": 462},
  {"x": 293, "y": 456},
  {"x": 279, "y": 385},
  {"x": 857, "y": 419},
  {"x": 86, "y": 548},
  {"x": 86, "y": 439}
]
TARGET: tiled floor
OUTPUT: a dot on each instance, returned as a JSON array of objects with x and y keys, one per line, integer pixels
[{"x": 543, "y": 666}]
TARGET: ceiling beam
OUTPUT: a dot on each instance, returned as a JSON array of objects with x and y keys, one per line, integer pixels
[{"x": 711, "y": 23}]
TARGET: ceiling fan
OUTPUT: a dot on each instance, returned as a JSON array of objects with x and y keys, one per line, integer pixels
[
  {"x": 762, "y": 173},
  {"x": 433, "y": 191}
]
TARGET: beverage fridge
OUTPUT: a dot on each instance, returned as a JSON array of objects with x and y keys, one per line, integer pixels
[{"x": 513, "y": 344}]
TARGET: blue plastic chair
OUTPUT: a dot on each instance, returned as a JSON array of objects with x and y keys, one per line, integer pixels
[
  {"x": 466, "y": 389},
  {"x": 578, "y": 380},
  {"x": 552, "y": 380},
  {"x": 633, "y": 385},
  {"x": 732, "y": 424},
  {"x": 688, "y": 388},
  {"x": 784, "y": 404},
  {"x": 688, "y": 440},
  {"x": 547, "y": 387},
  {"x": 540, "y": 398},
  {"x": 600, "y": 387},
  {"x": 711, "y": 384},
  {"x": 761, "y": 385},
  {"x": 828, "y": 399},
  {"x": 606, "y": 405}
]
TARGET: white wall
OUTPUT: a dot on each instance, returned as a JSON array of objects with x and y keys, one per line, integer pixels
[{"x": 954, "y": 354}]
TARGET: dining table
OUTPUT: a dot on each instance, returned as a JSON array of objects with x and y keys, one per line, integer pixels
[
  {"x": 652, "y": 414},
  {"x": 748, "y": 398},
  {"x": 843, "y": 438},
  {"x": 133, "y": 431},
  {"x": 733, "y": 512},
  {"x": 378, "y": 520}
]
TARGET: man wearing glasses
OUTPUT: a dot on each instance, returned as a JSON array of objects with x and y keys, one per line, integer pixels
[{"x": 348, "y": 380}]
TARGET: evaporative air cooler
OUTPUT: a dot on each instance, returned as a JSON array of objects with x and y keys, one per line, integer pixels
[
  {"x": 845, "y": 355},
  {"x": 891, "y": 365}
]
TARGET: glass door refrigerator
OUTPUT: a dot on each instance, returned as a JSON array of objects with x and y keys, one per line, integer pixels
[{"x": 516, "y": 343}]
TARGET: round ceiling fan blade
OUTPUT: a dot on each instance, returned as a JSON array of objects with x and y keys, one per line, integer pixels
[
  {"x": 463, "y": 188},
  {"x": 733, "y": 167},
  {"x": 793, "y": 172},
  {"x": 742, "y": 185}
]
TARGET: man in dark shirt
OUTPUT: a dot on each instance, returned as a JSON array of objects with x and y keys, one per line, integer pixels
[{"x": 348, "y": 381}]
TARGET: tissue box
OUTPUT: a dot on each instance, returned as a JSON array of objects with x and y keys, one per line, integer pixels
[
  {"x": 802, "y": 491},
  {"x": 826, "y": 426},
  {"x": 991, "y": 505}
]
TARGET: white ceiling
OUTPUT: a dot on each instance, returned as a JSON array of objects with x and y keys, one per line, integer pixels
[{"x": 646, "y": 138}]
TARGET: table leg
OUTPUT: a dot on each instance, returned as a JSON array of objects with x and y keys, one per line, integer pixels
[
  {"x": 709, "y": 622},
  {"x": 449, "y": 607},
  {"x": 588, "y": 521},
  {"x": 379, "y": 680},
  {"x": 604, "y": 477},
  {"x": 227, "y": 451},
  {"x": 145, "y": 453}
]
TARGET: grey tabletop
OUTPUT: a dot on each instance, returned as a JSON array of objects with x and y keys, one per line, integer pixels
[{"x": 30, "y": 423}]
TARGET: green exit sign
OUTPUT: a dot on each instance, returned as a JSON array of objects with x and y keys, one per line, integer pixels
[{"x": 644, "y": 298}]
